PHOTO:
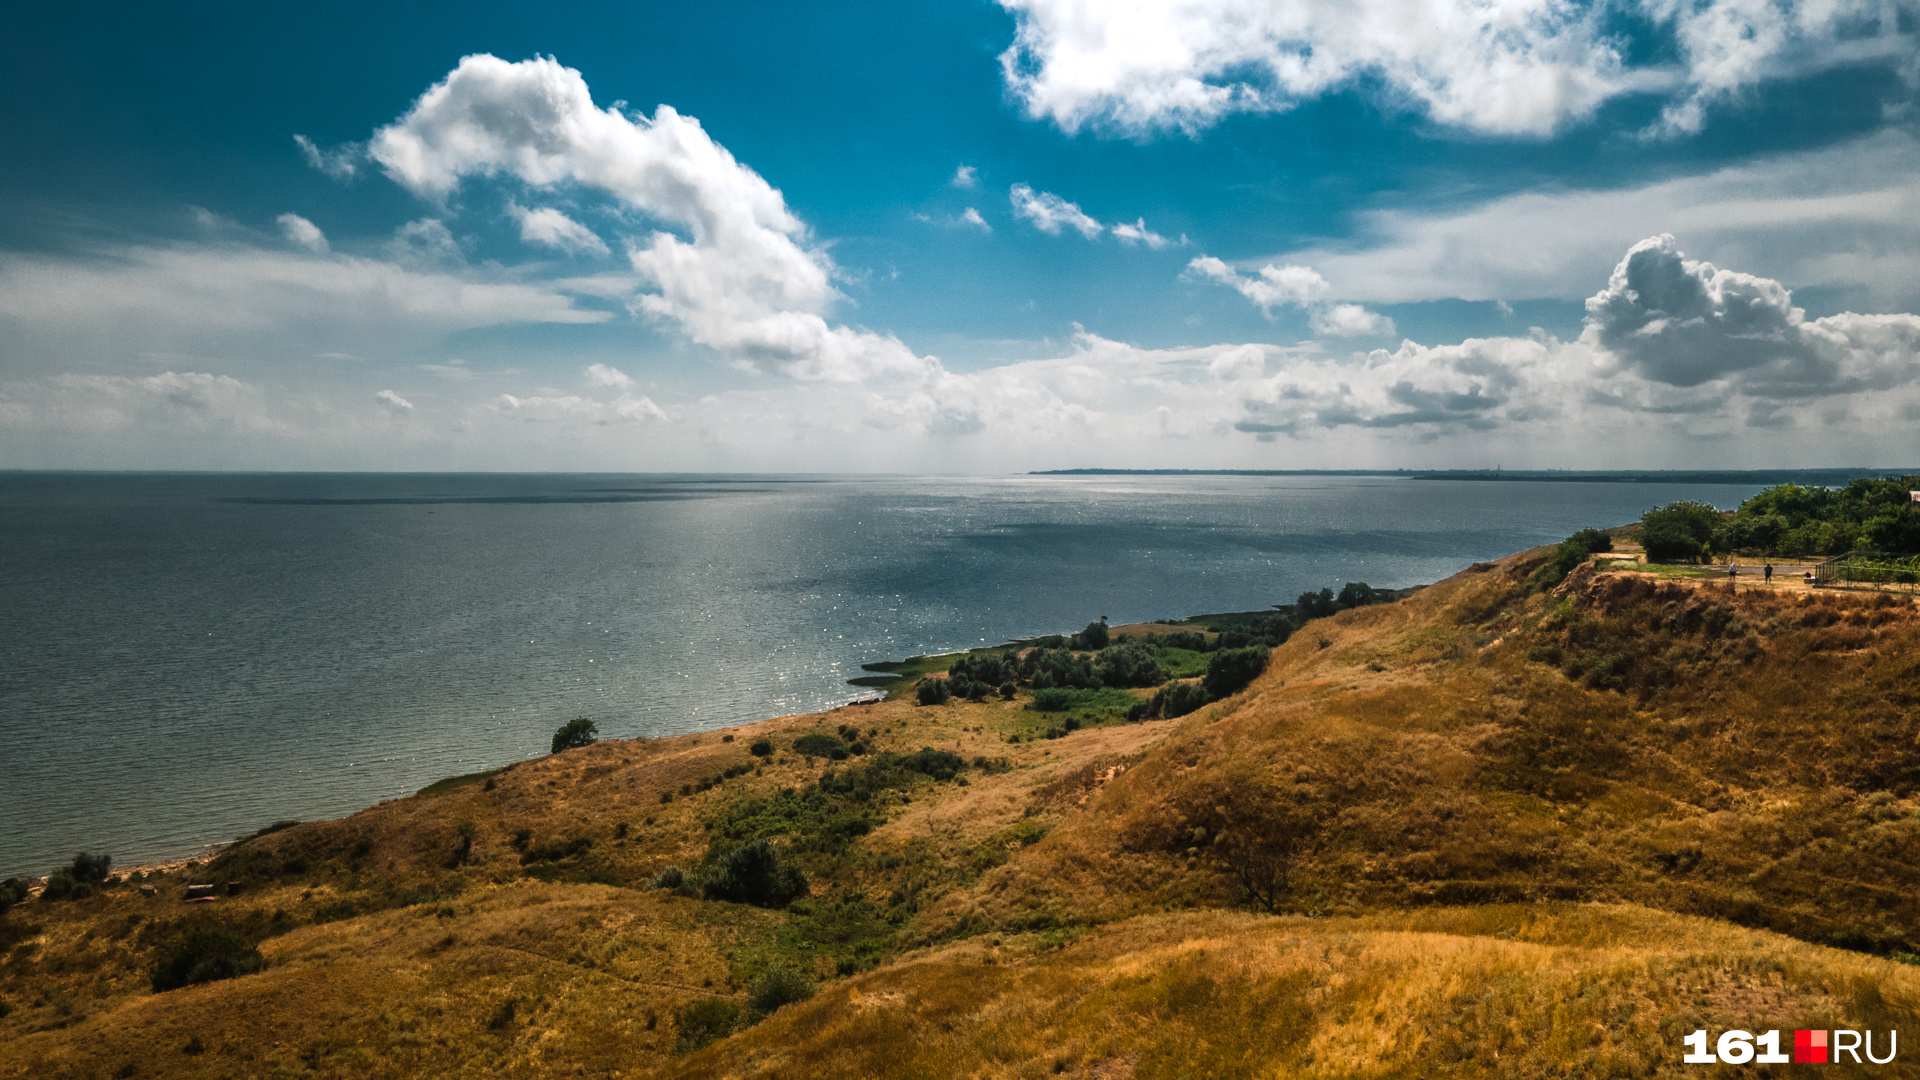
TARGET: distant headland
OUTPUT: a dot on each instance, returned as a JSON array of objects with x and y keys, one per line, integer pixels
[{"x": 1806, "y": 477}]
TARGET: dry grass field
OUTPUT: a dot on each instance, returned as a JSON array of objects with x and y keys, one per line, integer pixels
[{"x": 1479, "y": 831}]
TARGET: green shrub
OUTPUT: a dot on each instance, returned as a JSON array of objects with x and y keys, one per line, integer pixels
[
  {"x": 1177, "y": 699},
  {"x": 207, "y": 956},
  {"x": 933, "y": 691},
  {"x": 761, "y": 748},
  {"x": 779, "y": 986},
  {"x": 819, "y": 745},
  {"x": 77, "y": 880},
  {"x": 671, "y": 878},
  {"x": 703, "y": 1022},
  {"x": 1053, "y": 699},
  {"x": 574, "y": 734},
  {"x": 939, "y": 764},
  {"x": 12, "y": 891},
  {"x": 1130, "y": 663},
  {"x": 752, "y": 873},
  {"x": 1230, "y": 670},
  {"x": 1572, "y": 551}
]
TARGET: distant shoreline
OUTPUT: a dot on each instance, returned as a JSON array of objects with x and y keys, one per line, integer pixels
[{"x": 1811, "y": 477}]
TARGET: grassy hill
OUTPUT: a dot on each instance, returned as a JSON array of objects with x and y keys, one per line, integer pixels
[{"x": 1481, "y": 831}]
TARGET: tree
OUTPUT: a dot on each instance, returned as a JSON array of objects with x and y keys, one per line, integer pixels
[
  {"x": 574, "y": 734},
  {"x": 753, "y": 874},
  {"x": 1230, "y": 670},
  {"x": 1131, "y": 663},
  {"x": 1094, "y": 637},
  {"x": 1679, "y": 531}
]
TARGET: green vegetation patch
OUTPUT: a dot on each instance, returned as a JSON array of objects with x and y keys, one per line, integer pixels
[{"x": 438, "y": 787}]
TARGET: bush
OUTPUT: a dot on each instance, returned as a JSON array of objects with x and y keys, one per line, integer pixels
[
  {"x": 761, "y": 748},
  {"x": 574, "y": 734},
  {"x": 1093, "y": 638},
  {"x": 933, "y": 691},
  {"x": 941, "y": 765},
  {"x": 702, "y": 1022},
  {"x": 12, "y": 891},
  {"x": 1572, "y": 551},
  {"x": 1130, "y": 663},
  {"x": 1054, "y": 699},
  {"x": 779, "y": 986},
  {"x": 819, "y": 745},
  {"x": 1315, "y": 605},
  {"x": 1177, "y": 699},
  {"x": 671, "y": 878},
  {"x": 1230, "y": 670},
  {"x": 207, "y": 956},
  {"x": 754, "y": 874}
]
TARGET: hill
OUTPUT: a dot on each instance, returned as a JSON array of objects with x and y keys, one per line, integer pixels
[{"x": 1482, "y": 830}]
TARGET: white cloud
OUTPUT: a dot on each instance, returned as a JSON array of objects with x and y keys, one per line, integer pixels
[
  {"x": 971, "y": 219},
  {"x": 1272, "y": 286},
  {"x": 1349, "y": 320},
  {"x": 1138, "y": 233},
  {"x": 1684, "y": 323},
  {"x": 965, "y": 177},
  {"x": 1848, "y": 216},
  {"x": 303, "y": 232},
  {"x": 1050, "y": 213},
  {"x": 426, "y": 242},
  {"x": 549, "y": 227},
  {"x": 572, "y": 408},
  {"x": 1275, "y": 286},
  {"x": 340, "y": 163},
  {"x": 744, "y": 280},
  {"x": 393, "y": 402},
  {"x": 608, "y": 376},
  {"x": 1523, "y": 67}
]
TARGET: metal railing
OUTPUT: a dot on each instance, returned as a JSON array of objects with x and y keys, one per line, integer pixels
[{"x": 1870, "y": 567}]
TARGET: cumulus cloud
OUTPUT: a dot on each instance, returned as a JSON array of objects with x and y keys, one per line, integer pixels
[
  {"x": 303, "y": 232},
  {"x": 1348, "y": 320},
  {"x": 1846, "y": 216},
  {"x": 1050, "y": 213},
  {"x": 341, "y": 163},
  {"x": 965, "y": 177},
  {"x": 609, "y": 376},
  {"x": 739, "y": 275},
  {"x": 1685, "y": 323},
  {"x": 393, "y": 402},
  {"x": 1521, "y": 68},
  {"x": 426, "y": 242},
  {"x": 549, "y": 227},
  {"x": 1276, "y": 286},
  {"x": 1138, "y": 233},
  {"x": 971, "y": 219}
]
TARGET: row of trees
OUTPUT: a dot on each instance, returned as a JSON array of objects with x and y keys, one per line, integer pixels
[{"x": 1788, "y": 519}]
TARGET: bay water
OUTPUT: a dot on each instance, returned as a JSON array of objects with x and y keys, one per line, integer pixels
[{"x": 188, "y": 657}]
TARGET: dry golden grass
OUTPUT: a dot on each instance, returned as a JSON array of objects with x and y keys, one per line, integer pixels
[
  {"x": 1505, "y": 990},
  {"x": 1649, "y": 789}
]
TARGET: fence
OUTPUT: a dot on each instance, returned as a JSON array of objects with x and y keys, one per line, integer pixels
[{"x": 1870, "y": 567}]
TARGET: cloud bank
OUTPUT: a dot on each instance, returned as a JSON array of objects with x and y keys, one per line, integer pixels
[{"x": 1526, "y": 67}]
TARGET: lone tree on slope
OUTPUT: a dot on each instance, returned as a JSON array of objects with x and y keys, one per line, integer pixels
[{"x": 576, "y": 732}]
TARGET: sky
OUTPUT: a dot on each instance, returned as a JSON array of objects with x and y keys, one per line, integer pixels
[{"x": 960, "y": 237}]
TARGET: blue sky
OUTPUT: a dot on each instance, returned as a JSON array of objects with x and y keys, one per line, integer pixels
[{"x": 959, "y": 237}]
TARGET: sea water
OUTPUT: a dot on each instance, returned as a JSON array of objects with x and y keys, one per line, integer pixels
[{"x": 185, "y": 658}]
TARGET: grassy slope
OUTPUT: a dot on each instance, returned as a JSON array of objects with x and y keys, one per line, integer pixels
[{"x": 1745, "y": 765}]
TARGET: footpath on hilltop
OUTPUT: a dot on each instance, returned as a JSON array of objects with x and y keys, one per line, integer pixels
[{"x": 1544, "y": 818}]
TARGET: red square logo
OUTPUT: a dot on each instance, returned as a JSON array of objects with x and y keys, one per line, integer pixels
[{"x": 1810, "y": 1048}]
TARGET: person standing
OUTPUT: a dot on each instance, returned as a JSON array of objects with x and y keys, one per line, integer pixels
[{"x": 1767, "y": 573}]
